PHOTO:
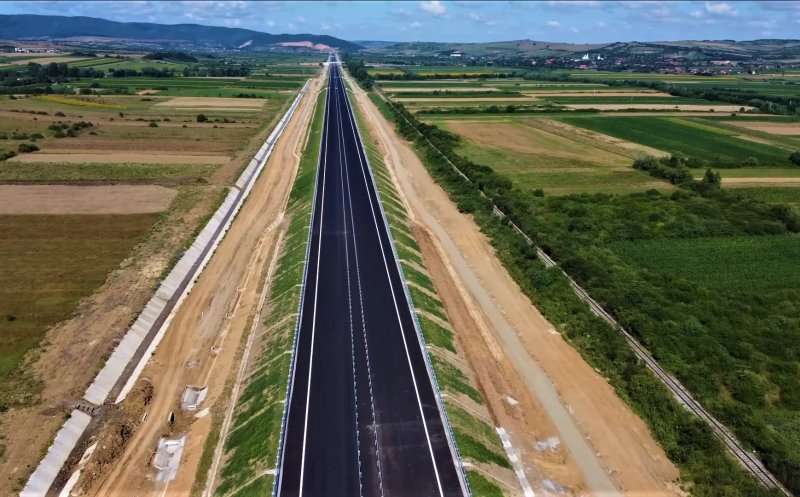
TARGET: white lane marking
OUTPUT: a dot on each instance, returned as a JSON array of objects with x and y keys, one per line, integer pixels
[
  {"x": 363, "y": 327},
  {"x": 396, "y": 308},
  {"x": 316, "y": 294},
  {"x": 342, "y": 167}
]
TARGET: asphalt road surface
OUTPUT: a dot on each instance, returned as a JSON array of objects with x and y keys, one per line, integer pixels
[{"x": 362, "y": 418}]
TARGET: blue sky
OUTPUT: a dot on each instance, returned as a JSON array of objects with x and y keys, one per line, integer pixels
[{"x": 463, "y": 21}]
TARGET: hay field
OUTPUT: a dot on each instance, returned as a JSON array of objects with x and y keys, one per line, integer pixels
[{"x": 537, "y": 154}]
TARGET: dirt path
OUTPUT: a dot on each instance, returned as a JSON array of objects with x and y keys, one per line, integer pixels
[
  {"x": 601, "y": 434},
  {"x": 200, "y": 347}
]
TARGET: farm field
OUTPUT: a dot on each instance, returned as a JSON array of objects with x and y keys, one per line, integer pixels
[
  {"x": 81, "y": 256},
  {"x": 47, "y": 264},
  {"x": 758, "y": 263},
  {"x": 686, "y": 135},
  {"x": 539, "y": 154},
  {"x": 775, "y": 195}
]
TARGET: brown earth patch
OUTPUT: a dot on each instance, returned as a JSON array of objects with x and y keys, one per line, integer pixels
[
  {"x": 148, "y": 92},
  {"x": 122, "y": 158},
  {"x": 61, "y": 199},
  {"x": 213, "y": 102},
  {"x": 790, "y": 129}
]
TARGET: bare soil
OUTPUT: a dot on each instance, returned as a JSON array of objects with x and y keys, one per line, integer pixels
[
  {"x": 110, "y": 157},
  {"x": 613, "y": 440},
  {"x": 60, "y": 199},
  {"x": 212, "y": 102},
  {"x": 791, "y": 129}
]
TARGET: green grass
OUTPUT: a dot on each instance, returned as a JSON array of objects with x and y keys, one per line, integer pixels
[
  {"x": 681, "y": 135},
  {"x": 45, "y": 171},
  {"x": 451, "y": 379},
  {"x": 481, "y": 486},
  {"x": 436, "y": 334},
  {"x": 47, "y": 264},
  {"x": 751, "y": 263},
  {"x": 252, "y": 444},
  {"x": 773, "y": 194}
]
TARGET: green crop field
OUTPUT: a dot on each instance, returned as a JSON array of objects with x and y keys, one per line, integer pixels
[
  {"x": 681, "y": 135},
  {"x": 774, "y": 195},
  {"x": 754, "y": 263},
  {"x": 642, "y": 98}
]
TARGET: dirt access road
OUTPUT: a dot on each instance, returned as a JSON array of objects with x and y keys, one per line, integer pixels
[
  {"x": 202, "y": 342},
  {"x": 517, "y": 353}
]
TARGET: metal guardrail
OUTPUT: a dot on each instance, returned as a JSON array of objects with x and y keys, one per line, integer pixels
[
  {"x": 417, "y": 327},
  {"x": 748, "y": 460}
]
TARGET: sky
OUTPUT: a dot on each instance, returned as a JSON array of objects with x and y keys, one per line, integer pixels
[{"x": 459, "y": 21}]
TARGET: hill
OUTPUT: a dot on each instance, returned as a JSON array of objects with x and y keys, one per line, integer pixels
[
  {"x": 705, "y": 49},
  {"x": 96, "y": 31}
]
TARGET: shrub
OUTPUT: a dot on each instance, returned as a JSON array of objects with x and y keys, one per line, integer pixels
[
  {"x": 37, "y": 136},
  {"x": 201, "y": 118},
  {"x": 27, "y": 147},
  {"x": 795, "y": 158},
  {"x": 60, "y": 114},
  {"x": 153, "y": 125}
]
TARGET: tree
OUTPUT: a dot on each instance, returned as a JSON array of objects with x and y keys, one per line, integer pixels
[{"x": 795, "y": 158}]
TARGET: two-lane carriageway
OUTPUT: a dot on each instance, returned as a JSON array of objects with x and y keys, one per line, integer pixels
[{"x": 363, "y": 417}]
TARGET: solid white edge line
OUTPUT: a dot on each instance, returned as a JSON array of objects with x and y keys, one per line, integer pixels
[{"x": 397, "y": 312}]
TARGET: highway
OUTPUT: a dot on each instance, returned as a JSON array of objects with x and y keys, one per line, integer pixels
[{"x": 362, "y": 414}]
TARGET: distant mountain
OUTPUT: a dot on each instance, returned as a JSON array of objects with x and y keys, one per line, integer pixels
[{"x": 101, "y": 31}]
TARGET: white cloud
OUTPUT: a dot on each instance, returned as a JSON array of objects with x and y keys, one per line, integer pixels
[
  {"x": 435, "y": 7},
  {"x": 553, "y": 24},
  {"x": 270, "y": 24},
  {"x": 697, "y": 14},
  {"x": 602, "y": 24},
  {"x": 400, "y": 13},
  {"x": 415, "y": 24},
  {"x": 574, "y": 29},
  {"x": 720, "y": 9}
]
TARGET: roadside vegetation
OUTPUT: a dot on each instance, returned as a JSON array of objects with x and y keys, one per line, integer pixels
[{"x": 731, "y": 344}]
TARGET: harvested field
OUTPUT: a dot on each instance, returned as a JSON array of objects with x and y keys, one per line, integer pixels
[
  {"x": 688, "y": 107},
  {"x": 61, "y": 199},
  {"x": 43, "y": 60},
  {"x": 790, "y": 129},
  {"x": 524, "y": 139},
  {"x": 465, "y": 99},
  {"x": 96, "y": 144},
  {"x": 636, "y": 148},
  {"x": 213, "y": 102},
  {"x": 432, "y": 89},
  {"x": 106, "y": 157}
]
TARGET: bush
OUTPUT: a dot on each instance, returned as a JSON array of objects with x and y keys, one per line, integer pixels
[
  {"x": 27, "y": 147},
  {"x": 60, "y": 114},
  {"x": 153, "y": 125},
  {"x": 201, "y": 118},
  {"x": 795, "y": 158},
  {"x": 36, "y": 136}
]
